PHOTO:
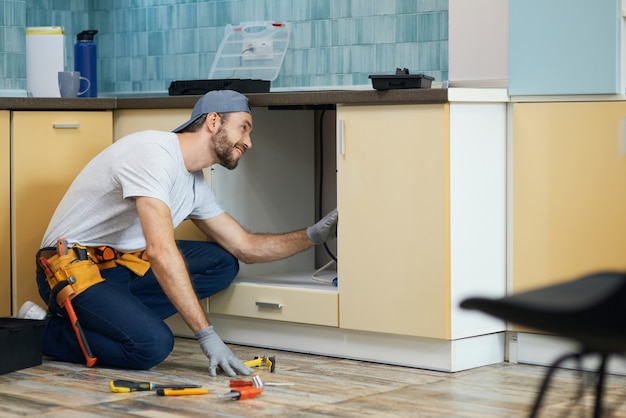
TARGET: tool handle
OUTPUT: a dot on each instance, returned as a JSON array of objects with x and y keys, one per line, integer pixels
[
  {"x": 248, "y": 393},
  {"x": 115, "y": 387},
  {"x": 240, "y": 383},
  {"x": 125, "y": 386},
  {"x": 256, "y": 362},
  {"x": 82, "y": 341},
  {"x": 61, "y": 247},
  {"x": 242, "y": 393},
  {"x": 46, "y": 267},
  {"x": 182, "y": 392}
]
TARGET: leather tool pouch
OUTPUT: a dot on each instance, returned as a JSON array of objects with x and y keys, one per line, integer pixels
[
  {"x": 135, "y": 262},
  {"x": 85, "y": 272}
]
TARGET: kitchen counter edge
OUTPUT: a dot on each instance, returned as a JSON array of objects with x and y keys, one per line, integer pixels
[{"x": 295, "y": 99}]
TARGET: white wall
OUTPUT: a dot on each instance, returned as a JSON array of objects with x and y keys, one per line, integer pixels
[{"x": 478, "y": 43}]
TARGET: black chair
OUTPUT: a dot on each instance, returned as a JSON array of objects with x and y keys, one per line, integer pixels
[{"x": 590, "y": 310}]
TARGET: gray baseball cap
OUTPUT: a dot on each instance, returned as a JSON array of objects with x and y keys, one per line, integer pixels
[{"x": 219, "y": 101}]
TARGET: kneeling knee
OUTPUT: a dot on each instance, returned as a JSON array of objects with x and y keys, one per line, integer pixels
[
  {"x": 157, "y": 345},
  {"x": 231, "y": 265}
]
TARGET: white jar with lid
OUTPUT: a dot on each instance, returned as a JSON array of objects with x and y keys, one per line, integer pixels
[{"x": 45, "y": 57}]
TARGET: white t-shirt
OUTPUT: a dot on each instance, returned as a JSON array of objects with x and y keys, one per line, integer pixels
[{"x": 99, "y": 207}]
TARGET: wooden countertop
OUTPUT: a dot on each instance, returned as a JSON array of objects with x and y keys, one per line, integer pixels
[{"x": 276, "y": 99}]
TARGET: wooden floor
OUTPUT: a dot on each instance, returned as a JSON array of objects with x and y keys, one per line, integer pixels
[{"x": 322, "y": 387}]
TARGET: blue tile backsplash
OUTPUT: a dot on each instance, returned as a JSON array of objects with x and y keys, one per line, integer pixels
[{"x": 143, "y": 45}]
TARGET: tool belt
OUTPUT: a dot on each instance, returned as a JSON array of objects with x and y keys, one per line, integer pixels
[{"x": 84, "y": 265}]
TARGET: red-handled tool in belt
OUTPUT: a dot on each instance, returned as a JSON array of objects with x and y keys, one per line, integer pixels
[
  {"x": 82, "y": 341},
  {"x": 60, "y": 294},
  {"x": 61, "y": 247}
]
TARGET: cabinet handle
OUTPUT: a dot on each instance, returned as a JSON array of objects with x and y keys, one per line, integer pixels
[
  {"x": 66, "y": 125},
  {"x": 269, "y": 305},
  {"x": 341, "y": 141},
  {"x": 623, "y": 135}
]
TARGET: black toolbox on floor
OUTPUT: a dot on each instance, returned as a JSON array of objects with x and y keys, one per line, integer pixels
[{"x": 21, "y": 343}]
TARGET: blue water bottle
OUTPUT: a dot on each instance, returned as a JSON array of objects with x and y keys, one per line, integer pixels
[{"x": 85, "y": 61}]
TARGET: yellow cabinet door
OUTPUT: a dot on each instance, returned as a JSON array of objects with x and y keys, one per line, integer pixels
[
  {"x": 569, "y": 191},
  {"x": 5, "y": 223},
  {"x": 393, "y": 245},
  {"x": 128, "y": 121},
  {"x": 49, "y": 150}
]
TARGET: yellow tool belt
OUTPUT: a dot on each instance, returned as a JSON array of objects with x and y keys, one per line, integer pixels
[{"x": 86, "y": 272}]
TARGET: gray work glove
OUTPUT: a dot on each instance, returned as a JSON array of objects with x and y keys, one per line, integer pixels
[
  {"x": 325, "y": 229},
  {"x": 219, "y": 354}
]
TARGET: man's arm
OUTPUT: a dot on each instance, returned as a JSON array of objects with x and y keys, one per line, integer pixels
[
  {"x": 169, "y": 267},
  {"x": 252, "y": 248},
  {"x": 167, "y": 262}
]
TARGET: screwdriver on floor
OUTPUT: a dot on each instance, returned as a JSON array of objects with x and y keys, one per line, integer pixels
[
  {"x": 242, "y": 393},
  {"x": 125, "y": 386}
]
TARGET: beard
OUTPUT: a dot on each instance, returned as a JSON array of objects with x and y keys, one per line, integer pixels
[{"x": 224, "y": 149}]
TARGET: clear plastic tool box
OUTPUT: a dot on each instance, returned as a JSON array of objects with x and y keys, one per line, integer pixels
[{"x": 251, "y": 50}]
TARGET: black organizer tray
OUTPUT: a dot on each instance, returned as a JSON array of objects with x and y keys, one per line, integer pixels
[
  {"x": 401, "y": 80},
  {"x": 199, "y": 87}
]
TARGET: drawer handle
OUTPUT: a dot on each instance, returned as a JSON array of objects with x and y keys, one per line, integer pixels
[
  {"x": 341, "y": 139},
  {"x": 269, "y": 305},
  {"x": 66, "y": 125}
]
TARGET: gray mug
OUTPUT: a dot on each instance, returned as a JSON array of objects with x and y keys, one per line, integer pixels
[{"x": 69, "y": 83}]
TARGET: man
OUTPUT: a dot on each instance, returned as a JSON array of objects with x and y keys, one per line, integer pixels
[{"x": 130, "y": 198}]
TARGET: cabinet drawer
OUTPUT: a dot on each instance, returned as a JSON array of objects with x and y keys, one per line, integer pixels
[{"x": 279, "y": 303}]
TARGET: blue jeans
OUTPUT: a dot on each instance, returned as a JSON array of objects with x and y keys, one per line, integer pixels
[{"x": 122, "y": 317}]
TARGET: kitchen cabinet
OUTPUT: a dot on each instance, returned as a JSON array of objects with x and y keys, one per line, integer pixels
[
  {"x": 549, "y": 54},
  {"x": 425, "y": 185},
  {"x": 421, "y": 192},
  {"x": 568, "y": 203},
  {"x": 569, "y": 183},
  {"x": 49, "y": 148},
  {"x": 5, "y": 223},
  {"x": 421, "y": 197}
]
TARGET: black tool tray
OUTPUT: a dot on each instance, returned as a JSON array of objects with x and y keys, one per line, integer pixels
[
  {"x": 199, "y": 87},
  {"x": 401, "y": 80}
]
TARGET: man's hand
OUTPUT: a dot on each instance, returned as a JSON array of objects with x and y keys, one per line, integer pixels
[
  {"x": 219, "y": 354},
  {"x": 325, "y": 229}
]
